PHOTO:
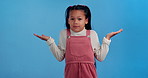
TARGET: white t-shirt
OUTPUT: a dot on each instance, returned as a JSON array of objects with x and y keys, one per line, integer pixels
[{"x": 100, "y": 51}]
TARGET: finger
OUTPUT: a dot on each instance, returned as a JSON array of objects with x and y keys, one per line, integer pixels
[
  {"x": 43, "y": 35},
  {"x": 119, "y": 31},
  {"x": 38, "y": 36},
  {"x": 35, "y": 34}
]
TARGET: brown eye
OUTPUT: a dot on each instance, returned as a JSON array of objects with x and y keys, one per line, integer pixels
[
  {"x": 79, "y": 19},
  {"x": 71, "y": 18}
]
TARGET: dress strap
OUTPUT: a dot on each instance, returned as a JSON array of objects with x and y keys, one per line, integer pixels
[
  {"x": 88, "y": 33},
  {"x": 68, "y": 33}
]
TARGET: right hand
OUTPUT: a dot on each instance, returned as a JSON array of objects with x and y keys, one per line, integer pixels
[{"x": 43, "y": 37}]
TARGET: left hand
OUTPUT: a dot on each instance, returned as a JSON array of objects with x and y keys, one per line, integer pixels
[{"x": 108, "y": 36}]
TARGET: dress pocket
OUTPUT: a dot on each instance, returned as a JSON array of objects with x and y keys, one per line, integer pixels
[{"x": 79, "y": 47}]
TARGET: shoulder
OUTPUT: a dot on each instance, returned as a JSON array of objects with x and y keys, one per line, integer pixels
[
  {"x": 93, "y": 32},
  {"x": 63, "y": 31}
]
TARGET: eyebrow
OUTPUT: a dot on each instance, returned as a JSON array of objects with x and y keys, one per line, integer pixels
[{"x": 73, "y": 16}]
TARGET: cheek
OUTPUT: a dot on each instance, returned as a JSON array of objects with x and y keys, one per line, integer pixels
[
  {"x": 69, "y": 22},
  {"x": 83, "y": 24}
]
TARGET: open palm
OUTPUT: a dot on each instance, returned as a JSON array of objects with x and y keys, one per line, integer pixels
[
  {"x": 108, "y": 36},
  {"x": 43, "y": 37}
]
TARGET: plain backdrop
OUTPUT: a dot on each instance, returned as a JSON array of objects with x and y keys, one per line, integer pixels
[{"x": 22, "y": 55}]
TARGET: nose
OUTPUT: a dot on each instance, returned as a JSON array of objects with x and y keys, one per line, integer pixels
[{"x": 75, "y": 21}]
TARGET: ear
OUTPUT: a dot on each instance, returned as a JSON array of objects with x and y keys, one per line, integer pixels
[
  {"x": 86, "y": 21},
  {"x": 68, "y": 20}
]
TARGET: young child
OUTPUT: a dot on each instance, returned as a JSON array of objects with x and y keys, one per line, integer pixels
[{"x": 78, "y": 44}]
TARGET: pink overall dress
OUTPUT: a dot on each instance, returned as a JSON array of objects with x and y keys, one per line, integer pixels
[{"x": 79, "y": 57}]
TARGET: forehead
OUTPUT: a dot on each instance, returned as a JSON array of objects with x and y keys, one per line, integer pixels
[{"x": 73, "y": 13}]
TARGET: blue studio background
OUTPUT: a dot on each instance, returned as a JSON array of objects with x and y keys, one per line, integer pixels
[{"x": 22, "y": 55}]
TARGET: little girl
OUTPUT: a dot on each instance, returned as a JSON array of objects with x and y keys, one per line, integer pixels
[{"x": 78, "y": 44}]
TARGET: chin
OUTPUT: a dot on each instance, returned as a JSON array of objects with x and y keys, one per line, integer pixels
[{"x": 77, "y": 30}]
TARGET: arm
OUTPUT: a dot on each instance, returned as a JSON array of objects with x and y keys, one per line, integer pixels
[
  {"x": 102, "y": 50},
  {"x": 57, "y": 51}
]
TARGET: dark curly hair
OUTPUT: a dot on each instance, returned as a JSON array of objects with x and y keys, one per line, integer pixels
[{"x": 79, "y": 7}]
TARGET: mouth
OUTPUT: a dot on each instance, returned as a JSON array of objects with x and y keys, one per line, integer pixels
[{"x": 76, "y": 26}]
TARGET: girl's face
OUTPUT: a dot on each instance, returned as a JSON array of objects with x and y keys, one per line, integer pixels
[{"x": 77, "y": 20}]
